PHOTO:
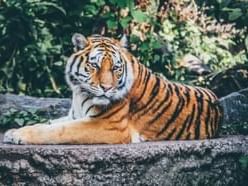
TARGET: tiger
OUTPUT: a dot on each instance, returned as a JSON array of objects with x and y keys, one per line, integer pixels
[{"x": 118, "y": 100}]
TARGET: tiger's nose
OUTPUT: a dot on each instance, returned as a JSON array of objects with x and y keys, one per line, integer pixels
[{"x": 105, "y": 87}]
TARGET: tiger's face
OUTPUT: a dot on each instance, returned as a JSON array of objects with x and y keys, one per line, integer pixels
[{"x": 99, "y": 67}]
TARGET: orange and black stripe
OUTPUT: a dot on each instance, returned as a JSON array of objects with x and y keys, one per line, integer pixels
[{"x": 178, "y": 111}]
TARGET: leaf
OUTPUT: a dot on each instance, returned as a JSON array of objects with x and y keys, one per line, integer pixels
[
  {"x": 91, "y": 9},
  {"x": 156, "y": 57},
  {"x": 234, "y": 14},
  {"x": 113, "y": 1},
  {"x": 98, "y": 2},
  {"x": 12, "y": 110},
  {"x": 2, "y": 18},
  {"x": 244, "y": 162},
  {"x": 130, "y": 4},
  {"x": 125, "y": 22},
  {"x": 139, "y": 16},
  {"x": 144, "y": 47},
  {"x": 19, "y": 121},
  {"x": 30, "y": 122},
  {"x": 122, "y": 3},
  {"x": 246, "y": 42},
  {"x": 58, "y": 63},
  {"x": 156, "y": 44},
  {"x": 112, "y": 23}
]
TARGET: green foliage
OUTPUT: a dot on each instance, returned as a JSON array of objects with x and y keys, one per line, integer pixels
[
  {"x": 14, "y": 118},
  {"x": 244, "y": 162},
  {"x": 27, "y": 48},
  {"x": 228, "y": 10},
  {"x": 186, "y": 38},
  {"x": 35, "y": 38}
]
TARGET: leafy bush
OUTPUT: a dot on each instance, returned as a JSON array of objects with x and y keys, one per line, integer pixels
[
  {"x": 228, "y": 11},
  {"x": 15, "y": 118},
  {"x": 234, "y": 12},
  {"x": 35, "y": 38}
]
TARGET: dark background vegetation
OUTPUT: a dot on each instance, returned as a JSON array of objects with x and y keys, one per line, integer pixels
[{"x": 35, "y": 37}]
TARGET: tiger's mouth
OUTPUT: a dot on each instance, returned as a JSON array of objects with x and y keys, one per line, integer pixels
[
  {"x": 101, "y": 100},
  {"x": 102, "y": 97}
]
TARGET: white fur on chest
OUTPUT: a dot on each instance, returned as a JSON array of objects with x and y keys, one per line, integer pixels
[{"x": 82, "y": 106}]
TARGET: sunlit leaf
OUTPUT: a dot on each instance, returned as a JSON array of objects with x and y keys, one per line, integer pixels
[
  {"x": 233, "y": 13},
  {"x": 139, "y": 16},
  {"x": 58, "y": 63},
  {"x": 246, "y": 42},
  {"x": 125, "y": 21},
  {"x": 19, "y": 121},
  {"x": 112, "y": 23}
]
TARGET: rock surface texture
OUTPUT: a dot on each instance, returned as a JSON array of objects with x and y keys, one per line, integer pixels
[
  {"x": 208, "y": 162},
  {"x": 205, "y": 162},
  {"x": 48, "y": 107},
  {"x": 235, "y": 106}
]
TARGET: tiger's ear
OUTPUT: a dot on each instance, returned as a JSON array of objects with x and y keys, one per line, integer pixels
[
  {"x": 124, "y": 41},
  {"x": 79, "y": 41}
]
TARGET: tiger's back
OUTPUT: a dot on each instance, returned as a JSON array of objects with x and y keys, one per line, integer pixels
[{"x": 166, "y": 110}]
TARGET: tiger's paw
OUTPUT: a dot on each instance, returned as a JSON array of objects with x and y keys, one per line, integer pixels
[{"x": 16, "y": 136}]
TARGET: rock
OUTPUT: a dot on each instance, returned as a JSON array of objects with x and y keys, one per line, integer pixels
[
  {"x": 221, "y": 161},
  {"x": 227, "y": 81},
  {"x": 206, "y": 162},
  {"x": 194, "y": 65},
  {"x": 235, "y": 107},
  {"x": 47, "y": 107}
]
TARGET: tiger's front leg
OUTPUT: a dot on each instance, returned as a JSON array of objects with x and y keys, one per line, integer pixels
[{"x": 71, "y": 132}]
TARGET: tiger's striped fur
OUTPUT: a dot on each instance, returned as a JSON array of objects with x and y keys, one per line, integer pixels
[{"x": 116, "y": 99}]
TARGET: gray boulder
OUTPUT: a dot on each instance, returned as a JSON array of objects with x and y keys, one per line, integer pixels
[
  {"x": 206, "y": 162},
  {"x": 235, "y": 107},
  {"x": 48, "y": 107}
]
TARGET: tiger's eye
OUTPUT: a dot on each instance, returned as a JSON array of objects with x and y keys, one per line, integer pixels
[
  {"x": 94, "y": 65},
  {"x": 92, "y": 58},
  {"x": 115, "y": 67}
]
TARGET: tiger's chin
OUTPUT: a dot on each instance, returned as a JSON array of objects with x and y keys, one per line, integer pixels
[{"x": 101, "y": 100}]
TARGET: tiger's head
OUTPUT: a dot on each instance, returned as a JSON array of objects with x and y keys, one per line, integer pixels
[{"x": 100, "y": 67}]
